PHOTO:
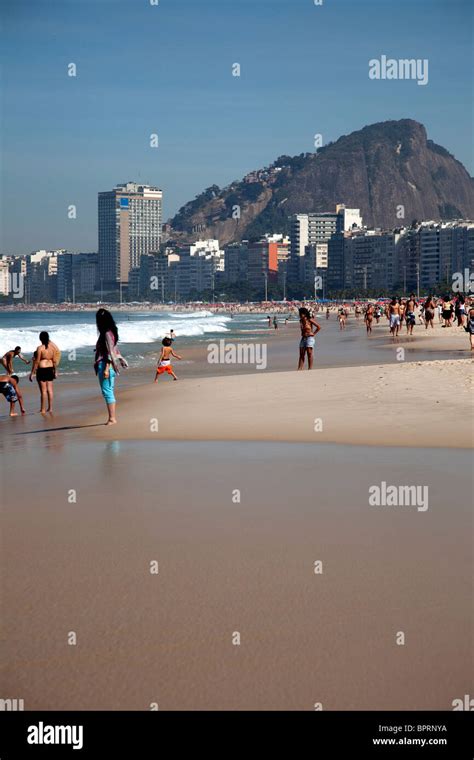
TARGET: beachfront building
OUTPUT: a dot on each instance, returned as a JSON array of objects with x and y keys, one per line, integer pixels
[
  {"x": 41, "y": 276},
  {"x": 429, "y": 253},
  {"x": 4, "y": 277},
  {"x": 361, "y": 261},
  {"x": 309, "y": 230},
  {"x": 369, "y": 257},
  {"x": 181, "y": 274},
  {"x": 266, "y": 257},
  {"x": 236, "y": 262},
  {"x": 77, "y": 276},
  {"x": 130, "y": 219}
]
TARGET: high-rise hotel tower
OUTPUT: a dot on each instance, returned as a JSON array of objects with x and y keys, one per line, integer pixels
[{"x": 130, "y": 219}]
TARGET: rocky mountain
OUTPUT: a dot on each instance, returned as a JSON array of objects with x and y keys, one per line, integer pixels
[{"x": 378, "y": 169}]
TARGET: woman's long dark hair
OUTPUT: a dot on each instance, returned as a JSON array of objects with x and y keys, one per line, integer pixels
[
  {"x": 105, "y": 323},
  {"x": 44, "y": 338},
  {"x": 304, "y": 312}
]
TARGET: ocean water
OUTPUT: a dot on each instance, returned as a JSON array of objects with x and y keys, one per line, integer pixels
[{"x": 140, "y": 333}]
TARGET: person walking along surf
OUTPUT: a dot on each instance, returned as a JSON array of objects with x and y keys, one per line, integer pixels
[
  {"x": 309, "y": 328},
  {"x": 45, "y": 362},
  {"x": 108, "y": 360}
]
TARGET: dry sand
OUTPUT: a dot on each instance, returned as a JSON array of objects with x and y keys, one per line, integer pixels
[{"x": 425, "y": 404}]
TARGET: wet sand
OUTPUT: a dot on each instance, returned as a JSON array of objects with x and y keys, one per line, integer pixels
[{"x": 227, "y": 567}]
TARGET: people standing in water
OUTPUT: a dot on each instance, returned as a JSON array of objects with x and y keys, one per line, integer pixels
[
  {"x": 108, "y": 360},
  {"x": 7, "y": 359},
  {"x": 164, "y": 362},
  {"x": 275, "y": 322},
  {"x": 10, "y": 390},
  {"x": 45, "y": 362},
  {"x": 429, "y": 310},
  {"x": 309, "y": 328}
]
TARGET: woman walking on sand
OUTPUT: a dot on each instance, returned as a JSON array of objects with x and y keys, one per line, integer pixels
[
  {"x": 108, "y": 359},
  {"x": 309, "y": 328},
  {"x": 45, "y": 362},
  {"x": 429, "y": 312}
]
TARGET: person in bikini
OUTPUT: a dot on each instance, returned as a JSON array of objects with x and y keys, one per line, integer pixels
[
  {"x": 369, "y": 316},
  {"x": 44, "y": 367},
  {"x": 164, "y": 362},
  {"x": 429, "y": 312},
  {"x": 342, "y": 319},
  {"x": 309, "y": 328}
]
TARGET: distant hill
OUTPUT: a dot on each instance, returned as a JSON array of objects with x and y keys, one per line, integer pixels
[{"x": 376, "y": 169}]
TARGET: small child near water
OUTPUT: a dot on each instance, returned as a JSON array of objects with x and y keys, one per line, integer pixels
[{"x": 164, "y": 362}]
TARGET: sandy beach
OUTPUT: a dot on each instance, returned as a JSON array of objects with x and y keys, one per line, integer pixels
[
  {"x": 310, "y": 407},
  {"x": 245, "y": 566}
]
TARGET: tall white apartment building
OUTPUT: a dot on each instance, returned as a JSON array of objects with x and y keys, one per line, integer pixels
[{"x": 130, "y": 222}]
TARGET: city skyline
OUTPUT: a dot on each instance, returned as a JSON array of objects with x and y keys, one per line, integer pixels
[{"x": 71, "y": 137}]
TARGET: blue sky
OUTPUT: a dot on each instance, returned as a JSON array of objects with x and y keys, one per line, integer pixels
[{"x": 167, "y": 69}]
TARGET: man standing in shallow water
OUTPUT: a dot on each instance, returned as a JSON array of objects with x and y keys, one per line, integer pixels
[{"x": 309, "y": 328}]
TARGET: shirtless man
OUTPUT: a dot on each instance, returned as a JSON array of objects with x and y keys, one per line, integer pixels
[
  {"x": 309, "y": 328},
  {"x": 369, "y": 316},
  {"x": 7, "y": 359},
  {"x": 394, "y": 316},
  {"x": 10, "y": 390},
  {"x": 410, "y": 315}
]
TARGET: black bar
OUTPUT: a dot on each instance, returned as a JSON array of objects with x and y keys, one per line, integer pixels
[{"x": 143, "y": 735}]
